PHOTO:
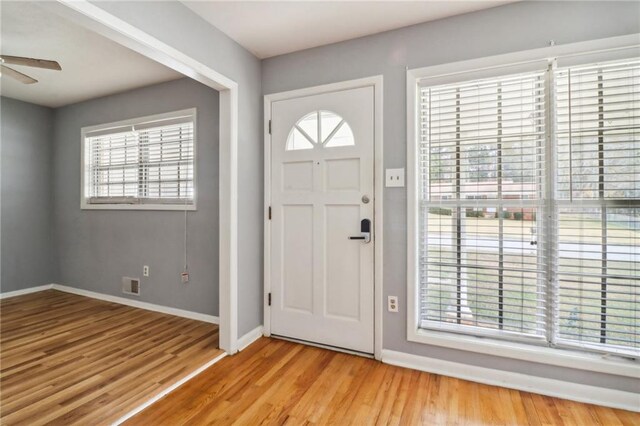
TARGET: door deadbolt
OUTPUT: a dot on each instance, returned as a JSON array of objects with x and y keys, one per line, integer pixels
[{"x": 365, "y": 199}]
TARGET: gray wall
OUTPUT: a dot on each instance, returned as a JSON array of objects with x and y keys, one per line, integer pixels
[
  {"x": 27, "y": 249},
  {"x": 176, "y": 25},
  {"x": 96, "y": 248},
  {"x": 510, "y": 28}
]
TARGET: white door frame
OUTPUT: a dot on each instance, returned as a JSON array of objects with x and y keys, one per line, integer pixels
[
  {"x": 376, "y": 83},
  {"x": 94, "y": 18}
]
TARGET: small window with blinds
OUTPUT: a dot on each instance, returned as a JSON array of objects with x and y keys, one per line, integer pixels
[
  {"x": 529, "y": 206},
  {"x": 482, "y": 179},
  {"x": 143, "y": 162},
  {"x": 598, "y": 206}
]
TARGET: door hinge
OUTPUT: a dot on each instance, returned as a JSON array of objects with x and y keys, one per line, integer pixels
[
  {"x": 269, "y": 126},
  {"x": 269, "y": 299},
  {"x": 269, "y": 212}
]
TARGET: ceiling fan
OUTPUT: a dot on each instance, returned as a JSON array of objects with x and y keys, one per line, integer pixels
[{"x": 27, "y": 62}]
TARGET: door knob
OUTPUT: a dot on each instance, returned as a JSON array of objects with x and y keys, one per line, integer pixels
[{"x": 365, "y": 231}]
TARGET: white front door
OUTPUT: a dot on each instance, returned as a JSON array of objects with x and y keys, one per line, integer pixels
[{"x": 322, "y": 158}]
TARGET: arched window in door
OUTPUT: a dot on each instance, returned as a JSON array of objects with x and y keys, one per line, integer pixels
[{"x": 320, "y": 129}]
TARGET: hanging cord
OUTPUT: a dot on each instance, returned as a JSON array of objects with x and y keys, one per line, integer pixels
[{"x": 186, "y": 264}]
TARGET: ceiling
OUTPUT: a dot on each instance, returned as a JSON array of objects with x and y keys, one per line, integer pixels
[
  {"x": 271, "y": 28},
  {"x": 92, "y": 66}
]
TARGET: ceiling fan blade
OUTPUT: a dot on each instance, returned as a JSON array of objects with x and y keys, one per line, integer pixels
[
  {"x": 31, "y": 62},
  {"x": 23, "y": 78}
]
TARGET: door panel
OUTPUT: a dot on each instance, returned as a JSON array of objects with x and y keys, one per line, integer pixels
[
  {"x": 342, "y": 174},
  {"x": 297, "y": 258},
  {"x": 322, "y": 169},
  {"x": 342, "y": 273},
  {"x": 297, "y": 176}
]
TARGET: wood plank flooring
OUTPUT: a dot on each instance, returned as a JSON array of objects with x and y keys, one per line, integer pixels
[
  {"x": 278, "y": 382},
  {"x": 68, "y": 359}
]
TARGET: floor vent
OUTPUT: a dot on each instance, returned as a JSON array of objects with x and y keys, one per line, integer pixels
[{"x": 131, "y": 286}]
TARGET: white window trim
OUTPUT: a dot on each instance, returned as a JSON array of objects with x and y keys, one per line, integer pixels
[
  {"x": 84, "y": 203},
  {"x": 487, "y": 67}
]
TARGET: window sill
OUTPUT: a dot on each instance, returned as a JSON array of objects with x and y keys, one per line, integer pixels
[
  {"x": 525, "y": 352},
  {"x": 147, "y": 207}
]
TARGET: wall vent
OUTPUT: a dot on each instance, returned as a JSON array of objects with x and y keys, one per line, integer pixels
[{"x": 131, "y": 286}]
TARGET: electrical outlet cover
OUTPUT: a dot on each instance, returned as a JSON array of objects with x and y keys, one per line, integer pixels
[
  {"x": 392, "y": 304},
  {"x": 394, "y": 178}
]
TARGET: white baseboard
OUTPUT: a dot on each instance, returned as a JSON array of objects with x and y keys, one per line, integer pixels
[
  {"x": 138, "y": 304},
  {"x": 116, "y": 299},
  {"x": 24, "y": 291},
  {"x": 250, "y": 337},
  {"x": 541, "y": 385}
]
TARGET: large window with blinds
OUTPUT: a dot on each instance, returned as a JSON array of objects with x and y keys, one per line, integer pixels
[
  {"x": 142, "y": 162},
  {"x": 597, "y": 197},
  {"x": 529, "y": 206}
]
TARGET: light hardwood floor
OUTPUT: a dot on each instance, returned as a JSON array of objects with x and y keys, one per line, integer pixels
[
  {"x": 278, "y": 382},
  {"x": 68, "y": 359}
]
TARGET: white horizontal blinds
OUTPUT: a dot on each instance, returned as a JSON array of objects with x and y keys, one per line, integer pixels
[
  {"x": 598, "y": 206},
  {"x": 167, "y": 162},
  {"x": 481, "y": 185},
  {"x": 597, "y": 120},
  {"x": 149, "y": 163},
  {"x": 113, "y": 166}
]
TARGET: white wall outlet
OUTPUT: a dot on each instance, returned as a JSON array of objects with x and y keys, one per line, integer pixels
[
  {"x": 394, "y": 178},
  {"x": 392, "y": 303},
  {"x": 145, "y": 270}
]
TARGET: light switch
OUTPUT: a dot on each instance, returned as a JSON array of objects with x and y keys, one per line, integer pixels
[{"x": 394, "y": 178}]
